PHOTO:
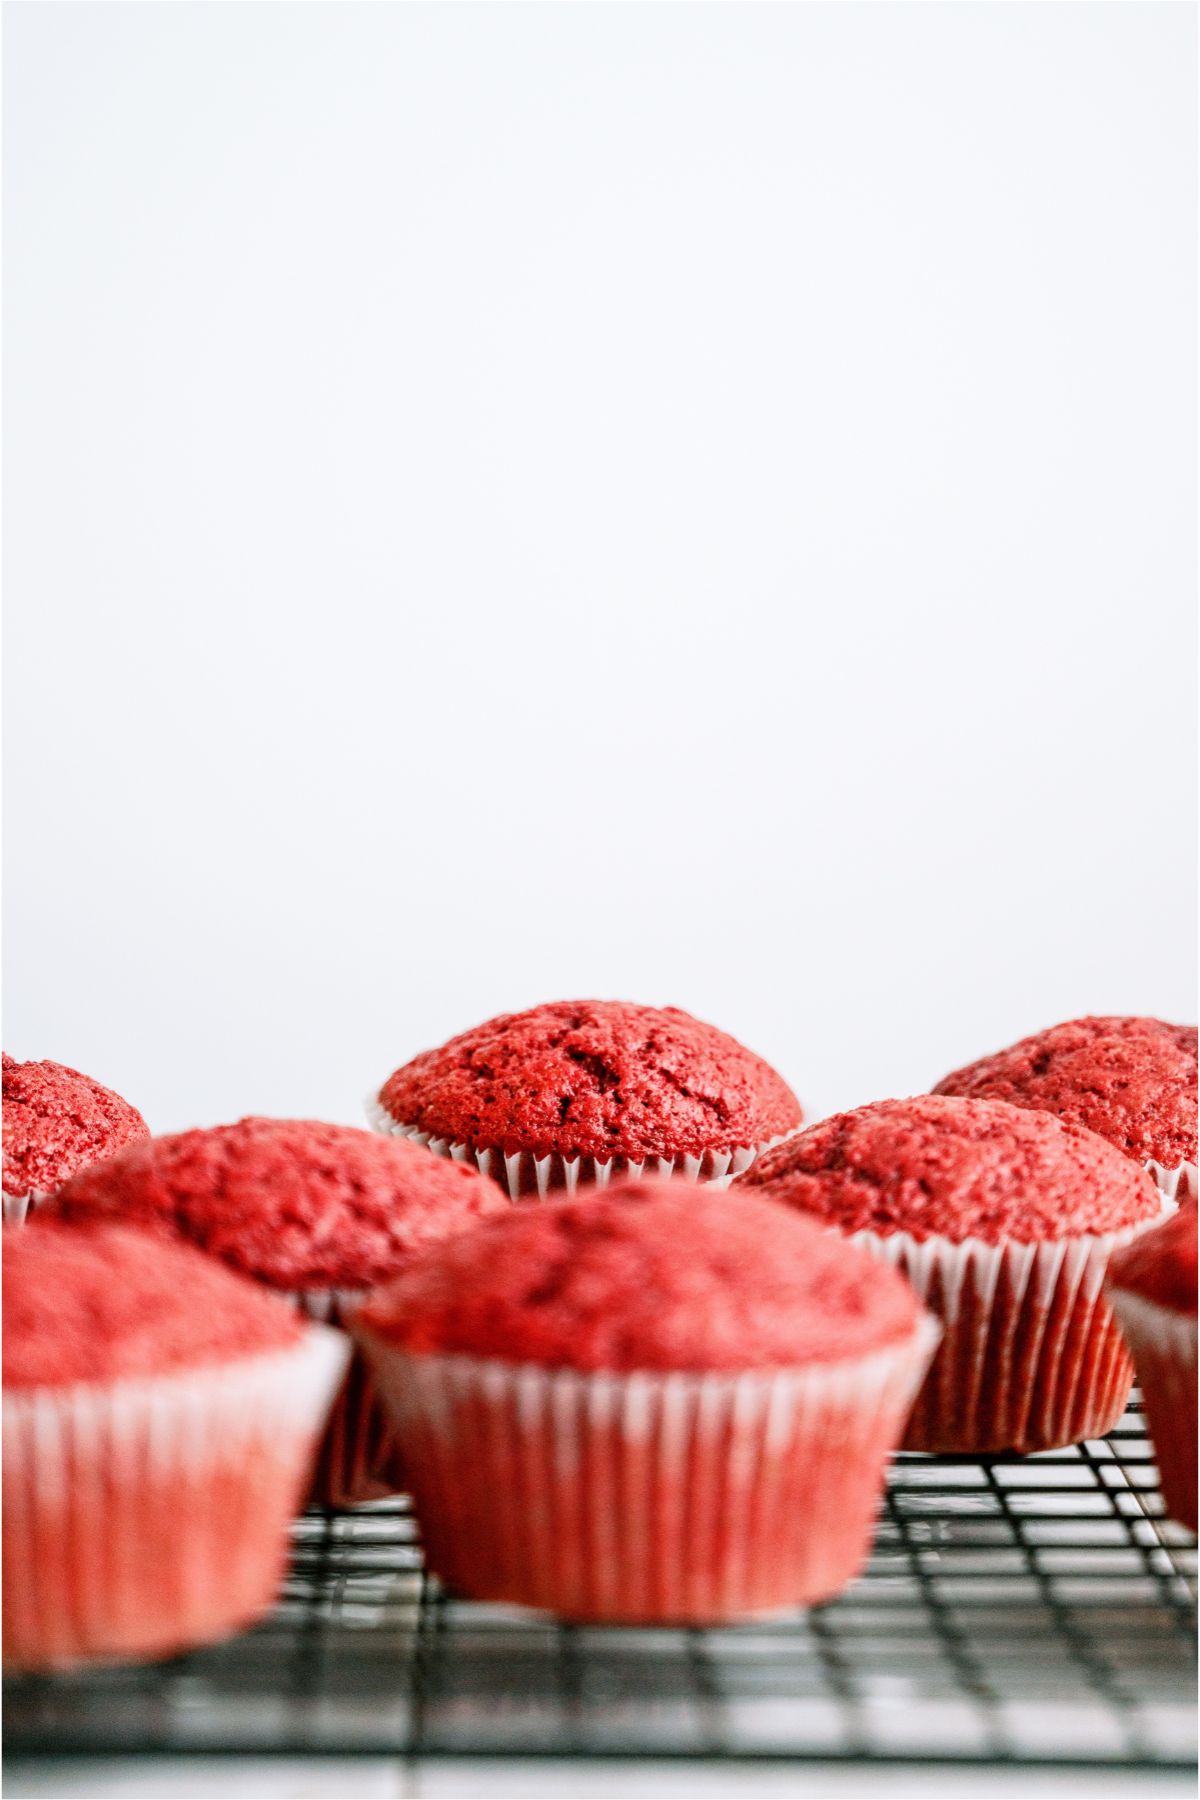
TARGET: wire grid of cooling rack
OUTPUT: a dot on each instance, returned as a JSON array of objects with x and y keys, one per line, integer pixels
[{"x": 1015, "y": 1610}]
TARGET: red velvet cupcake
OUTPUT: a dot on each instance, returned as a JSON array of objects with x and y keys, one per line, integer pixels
[
  {"x": 57, "y": 1121},
  {"x": 580, "y": 1091},
  {"x": 647, "y": 1404},
  {"x": 160, "y": 1420},
  {"x": 321, "y": 1213},
  {"x": 1132, "y": 1081},
  {"x": 1152, "y": 1287},
  {"x": 1004, "y": 1221}
]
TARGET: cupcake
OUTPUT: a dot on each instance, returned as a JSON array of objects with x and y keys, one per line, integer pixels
[
  {"x": 1004, "y": 1221},
  {"x": 647, "y": 1404},
  {"x": 320, "y": 1213},
  {"x": 579, "y": 1091},
  {"x": 1132, "y": 1081},
  {"x": 57, "y": 1121},
  {"x": 1152, "y": 1287},
  {"x": 160, "y": 1418}
]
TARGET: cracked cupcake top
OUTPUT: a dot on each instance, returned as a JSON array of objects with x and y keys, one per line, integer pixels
[
  {"x": 297, "y": 1204},
  {"x": 57, "y": 1121},
  {"x": 598, "y": 1078},
  {"x": 1130, "y": 1080},
  {"x": 102, "y": 1303},
  {"x": 647, "y": 1275},
  {"x": 939, "y": 1167}
]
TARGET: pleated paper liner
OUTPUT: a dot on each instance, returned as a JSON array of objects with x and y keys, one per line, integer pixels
[
  {"x": 356, "y": 1461},
  {"x": 530, "y": 1177},
  {"x": 648, "y": 1498},
  {"x": 358, "y": 1458},
  {"x": 1178, "y": 1184},
  {"x": 1031, "y": 1357},
  {"x": 17, "y": 1207},
  {"x": 1163, "y": 1342},
  {"x": 146, "y": 1517}
]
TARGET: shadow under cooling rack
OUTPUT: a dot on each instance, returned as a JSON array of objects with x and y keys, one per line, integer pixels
[{"x": 1034, "y": 1610}]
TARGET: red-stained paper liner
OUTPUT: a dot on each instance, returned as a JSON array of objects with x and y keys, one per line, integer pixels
[
  {"x": 680, "y": 1498},
  {"x": 17, "y": 1207},
  {"x": 358, "y": 1458},
  {"x": 147, "y": 1517},
  {"x": 1163, "y": 1342},
  {"x": 1178, "y": 1184},
  {"x": 527, "y": 1176},
  {"x": 1031, "y": 1357}
]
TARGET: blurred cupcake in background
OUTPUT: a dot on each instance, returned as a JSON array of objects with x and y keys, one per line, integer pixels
[
  {"x": 1152, "y": 1287},
  {"x": 57, "y": 1121},
  {"x": 160, "y": 1418},
  {"x": 1131, "y": 1081},
  {"x": 1004, "y": 1221},
  {"x": 319, "y": 1213},
  {"x": 647, "y": 1404},
  {"x": 581, "y": 1091}
]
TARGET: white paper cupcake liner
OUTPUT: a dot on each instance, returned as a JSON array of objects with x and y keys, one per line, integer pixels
[
  {"x": 148, "y": 1516},
  {"x": 527, "y": 1176},
  {"x": 358, "y": 1458},
  {"x": 1163, "y": 1341},
  {"x": 1031, "y": 1357},
  {"x": 686, "y": 1498},
  {"x": 17, "y": 1207},
  {"x": 324, "y": 1306},
  {"x": 1178, "y": 1184}
]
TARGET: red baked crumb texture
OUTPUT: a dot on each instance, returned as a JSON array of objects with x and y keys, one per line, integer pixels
[
  {"x": 293, "y": 1202},
  {"x": 1160, "y": 1265},
  {"x": 646, "y": 1275},
  {"x": 103, "y": 1303},
  {"x": 1132, "y": 1081},
  {"x": 598, "y": 1078},
  {"x": 939, "y": 1167},
  {"x": 57, "y": 1121}
]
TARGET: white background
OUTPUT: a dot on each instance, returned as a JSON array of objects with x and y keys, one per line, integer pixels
[{"x": 693, "y": 504}]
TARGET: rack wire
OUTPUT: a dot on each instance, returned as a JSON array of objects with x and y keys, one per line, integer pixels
[{"x": 1032, "y": 1610}]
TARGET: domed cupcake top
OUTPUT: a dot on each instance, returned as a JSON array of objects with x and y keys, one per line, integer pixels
[
  {"x": 298, "y": 1204},
  {"x": 939, "y": 1167},
  {"x": 105, "y": 1303},
  {"x": 57, "y": 1121},
  {"x": 1130, "y": 1080},
  {"x": 646, "y": 1275},
  {"x": 1160, "y": 1264},
  {"x": 598, "y": 1078}
]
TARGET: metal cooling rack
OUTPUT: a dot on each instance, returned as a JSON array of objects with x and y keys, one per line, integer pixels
[{"x": 1015, "y": 1610}]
